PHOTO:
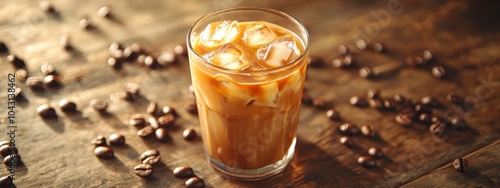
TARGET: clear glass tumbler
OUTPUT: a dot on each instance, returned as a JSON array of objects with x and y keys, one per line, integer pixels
[{"x": 248, "y": 112}]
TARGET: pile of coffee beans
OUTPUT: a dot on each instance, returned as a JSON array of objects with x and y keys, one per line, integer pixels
[{"x": 187, "y": 172}]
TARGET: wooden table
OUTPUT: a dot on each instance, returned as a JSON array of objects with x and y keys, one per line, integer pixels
[{"x": 463, "y": 36}]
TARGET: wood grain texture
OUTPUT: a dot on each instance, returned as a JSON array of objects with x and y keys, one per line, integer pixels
[{"x": 57, "y": 153}]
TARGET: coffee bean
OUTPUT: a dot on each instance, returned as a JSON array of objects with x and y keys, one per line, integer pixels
[
  {"x": 430, "y": 101},
  {"x": 166, "y": 58},
  {"x": 419, "y": 108},
  {"x": 375, "y": 152},
  {"x": 399, "y": 99},
  {"x": 376, "y": 103},
  {"x": 346, "y": 141},
  {"x": 152, "y": 108},
  {"x": 189, "y": 134},
  {"x": 455, "y": 98},
  {"x": 131, "y": 88},
  {"x": 180, "y": 49},
  {"x": 365, "y": 72},
  {"x": 114, "y": 46},
  {"x": 7, "y": 150},
  {"x": 458, "y": 124},
  {"x": 84, "y": 23},
  {"x": 320, "y": 104},
  {"x": 48, "y": 68},
  {"x": 348, "y": 129},
  {"x": 333, "y": 114},
  {"x": 410, "y": 62},
  {"x": 104, "y": 11},
  {"x": 437, "y": 128},
  {"x": 143, "y": 170},
  {"x": 137, "y": 120},
  {"x": 425, "y": 118},
  {"x": 116, "y": 139},
  {"x": 4, "y": 142},
  {"x": 50, "y": 81},
  {"x": 65, "y": 42},
  {"x": 12, "y": 159},
  {"x": 153, "y": 122},
  {"x": 46, "y": 6},
  {"x": 100, "y": 140},
  {"x": 378, "y": 47},
  {"x": 6, "y": 181},
  {"x": 145, "y": 131},
  {"x": 183, "y": 172},
  {"x": 22, "y": 75},
  {"x": 3, "y": 48},
  {"x": 47, "y": 112},
  {"x": 169, "y": 110},
  {"x": 403, "y": 120},
  {"x": 194, "y": 182},
  {"x": 461, "y": 165},
  {"x": 306, "y": 99},
  {"x": 349, "y": 60},
  {"x": 358, "y": 101},
  {"x": 166, "y": 120},
  {"x": 418, "y": 60},
  {"x": 162, "y": 134},
  {"x": 342, "y": 50},
  {"x": 17, "y": 92},
  {"x": 367, "y": 161},
  {"x": 150, "y": 62},
  {"x": 438, "y": 71},
  {"x": 368, "y": 130},
  {"x": 151, "y": 157},
  {"x": 114, "y": 63},
  {"x": 361, "y": 44},
  {"x": 98, "y": 105},
  {"x": 337, "y": 63},
  {"x": 315, "y": 61},
  {"x": 388, "y": 105},
  {"x": 104, "y": 152},
  {"x": 373, "y": 93},
  {"x": 141, "y": 59},
  {"x": 124, "y": 95},
  {"x": 67, "y": 105},
  {"x": 17, "y": 62},
  {"x": 427, "y": 55},
  {"x": 191, "y": 107}
]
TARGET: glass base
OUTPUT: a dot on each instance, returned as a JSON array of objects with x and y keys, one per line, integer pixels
[{"x": 254, "y": 174}]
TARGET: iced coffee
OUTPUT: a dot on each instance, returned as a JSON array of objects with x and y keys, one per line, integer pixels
[{"x": 248, "y": 76}]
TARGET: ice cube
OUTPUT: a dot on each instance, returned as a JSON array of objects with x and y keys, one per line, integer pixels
[
  {"x": 279, "y": 52},
  {"x": 217, "y": 34},
  {"x": 267, "y": 96},
  {"x": 235, "y": 96},
  {"x": 258, "y": 34},
  {"x": 228, "y": 56}
]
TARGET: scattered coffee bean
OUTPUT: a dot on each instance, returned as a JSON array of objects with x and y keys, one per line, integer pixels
[
  {"x": 346, "y": 141},
  {"x": 183, "y": 172},
  {"x": 388, "y": 105},
  {"x": 150, "y": 62},
  {"x": 437, "y": 128},
  {"x": 378, "y": 47},
  {"x": 342, "y": 50},
  {"x": 306, "y": 99},
  {"x": 6, "y": 181},
  {"x": 367, "y": 161},
  {"x": 438, "y": 71},
  {"x": 47, "y": 112},
  {"x": 7, "y": 150},
  {"x": 427, "y": 55},
  {"x": 131, "y": 88},
  {"x": 194, "y": 182},
  {"x": 403, "y": 120},
  {"x": 46, "y": 6},
  {"x": 420, "y": 108},
  {"x": 191, "y": 107},
  {"x": 4, "y": 142},
  {"x": 21, "y": 74},
  {"x": 143, "y": 170},
  {"x": 67, "y": 105},
  {"x": 104, "y": 152},
  {"x": 169, "y": 110},
  {"x": 137, "y": 120},
  {"x": 65, "y": 42},
  {"x": 337, "y": 63},
  {"x": 162, "y": 134},
  {"x": 151, "y": 157},
  {"x": 100, "y": 140},
  {"x": 399, "y": 99},
  {"x": 98, "y": 105},
  {"x": 348, "y": 129},
  {"x": 180, "y": 49},
  {"x": 116, "y": 139},
  {"x": 104, "y": 11},
  {"x": 368, "y": 130},
  {"x": 114, "y": 63},
  {"x": 145, "y": 131},
  {"x": 152, "y": 108},
  {"x": 461, "y": 165},
  {"x": 365, "y": 72},
  {"x": 17, "y": 62},
  {"x": 12, "y": 159},
  {"x": 376, "y": 103},
  {"x": 418, "y": 60},
  {"x": 410, "y": 62},
  {"x": 48, "y": 68},
  {"x": 84, "y": 23},
  {"x": 425, "y": 118},
  {"x": 333, "y": 114},
  {"x": 166, "y": 120},
  {"x": 153, "y": 122},
  {"x": 358, "y": 101},
  {"x": 361, "y": 44},
  {"x": 17, "y": 92},
  {"x": 349, "y": 60},
  {"x": 3, "y": 48},
  {"x": 375, "y": 152},
  {"x": 141, "y": 59},
  {"x": 166, "y": 58},
  {"x": 458, "y": 124},
  {"x": 189, "y": 134},
  {"x": 373, "y": 93},
  {"x": 430, "y": 101},
  {"x": 320, "y": 104},
  {"x": 315, "y": 61},
  {"x": 114, "y": 46},
  {"x": 455, "y": 98},
  {"x": 50, "y": 81},
  {"x": 124, "y": 95}
]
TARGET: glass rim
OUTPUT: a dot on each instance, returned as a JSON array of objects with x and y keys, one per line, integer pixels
[{"x": 269, "y": 10}]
